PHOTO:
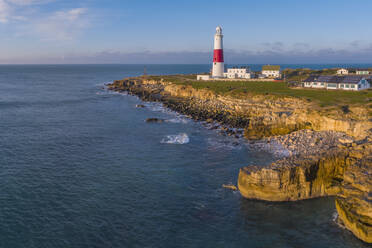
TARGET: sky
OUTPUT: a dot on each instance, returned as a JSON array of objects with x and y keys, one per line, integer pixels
[{"x": 181, "y": 32}]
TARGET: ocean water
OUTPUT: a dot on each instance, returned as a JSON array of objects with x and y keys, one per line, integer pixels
[{"x": 79, "y": 167}]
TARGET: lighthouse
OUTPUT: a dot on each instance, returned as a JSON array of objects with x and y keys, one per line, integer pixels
[{"x": 218, "y": 62}]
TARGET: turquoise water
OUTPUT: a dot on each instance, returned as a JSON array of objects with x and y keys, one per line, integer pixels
[{"x": 81, "y": 168}]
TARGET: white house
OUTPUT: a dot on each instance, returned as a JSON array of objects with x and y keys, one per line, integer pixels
[
  {"x": 337, "y": 82},
  {"x": 342, "y": 71},
  {"x": 203, "y": 77},
  {"x": 362, "y": 71},
  {"x": 354, "y": 83},
  {"x": 271, "y": 71},
  {"x": 236, "y": 73}
]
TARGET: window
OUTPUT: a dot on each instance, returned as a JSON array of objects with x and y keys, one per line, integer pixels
[
  {"x": 331, "y": 85},
  {"x": 322, "y": 84},
  {"x": 353, "y": 86},
  {"x": 341, "y": 86},
  {"x": 346, "y": 86}
]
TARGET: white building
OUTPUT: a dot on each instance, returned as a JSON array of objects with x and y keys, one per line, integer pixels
[
  {"x": 203, "y": 77},
  {"x": 238, "y": 73},
  {"x": 337, "y": 82},
  {"x": 271, "y": 71},
  {"x": 342, "y": 71},
  {"x": 362, "y": 71}
]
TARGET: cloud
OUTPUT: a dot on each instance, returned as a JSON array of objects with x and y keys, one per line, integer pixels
[
  {"x": 61, "y": 25},
  {"x": 29, "y": 2},
  {"x": 273, "y": 45},
  {"x": 310, "y": 56},
  {"x": 301, "y": 45},
  {"x": 5, "y": 11},
  {"x": 8, "y": 8},
  {"x": 30, "y": 22}
]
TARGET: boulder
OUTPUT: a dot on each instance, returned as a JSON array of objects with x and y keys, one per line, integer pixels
[
  {"x": 154, "y": 120},
  {"x": 230, "y": 186}
]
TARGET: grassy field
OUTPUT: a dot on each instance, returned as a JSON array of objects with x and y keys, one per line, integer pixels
[{"x": 280, "y": 89}]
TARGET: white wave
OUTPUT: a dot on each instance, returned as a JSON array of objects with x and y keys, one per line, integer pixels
[
  {"x": 337, "y": 221},
  {"x": 227, "y": 143},
  {"x": 335, "y": 216},
  {"x": 103, "y": 84},
  {"x": 178, "y": 139},
  {"x": 106, "y": 92},
  {"x": 274, "y": 147},
  {"x": 155, "y": 106},
  {"x": 178, "y": 120}
]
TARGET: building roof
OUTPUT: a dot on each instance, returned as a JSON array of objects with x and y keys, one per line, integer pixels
[
  {"x": 352, "y": 79},
  {"x": 237, "y": 67},
  {"x": 336, "y": 79},
  {"x": 271, "y": 68},
  {"x": 311, "y": 78},
  {"x": 324, "y": 79}
]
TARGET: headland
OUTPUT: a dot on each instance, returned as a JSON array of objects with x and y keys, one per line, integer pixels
[{"x": 327, "y": 136}]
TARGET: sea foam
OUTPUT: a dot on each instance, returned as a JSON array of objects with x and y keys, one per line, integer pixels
[
  {"x": 178, "y": 139},
  {"x": 178, "y": 120}
]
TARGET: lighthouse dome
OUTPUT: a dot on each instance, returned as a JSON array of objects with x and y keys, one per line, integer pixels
[{"x": 219, "y": 30}]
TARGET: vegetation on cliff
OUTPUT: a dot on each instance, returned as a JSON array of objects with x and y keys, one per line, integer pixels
[{"x": 241, "y": 89}]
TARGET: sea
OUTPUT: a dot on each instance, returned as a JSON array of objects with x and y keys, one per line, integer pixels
[{"x": 80, "y": 167}]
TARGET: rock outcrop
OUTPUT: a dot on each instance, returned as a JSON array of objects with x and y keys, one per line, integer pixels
[
  {"x": 345, "y": 172},
  {"x": 354, "y": 203},
  {"x": 294, "y": 178}
]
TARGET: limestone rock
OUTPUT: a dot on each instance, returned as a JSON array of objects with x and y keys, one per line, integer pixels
[
  {"x": 230, "y": 186},
  {"x": 294, "y": 178}
]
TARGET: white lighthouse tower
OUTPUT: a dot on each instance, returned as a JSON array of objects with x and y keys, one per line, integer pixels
[{"x": 218, "y": 61}]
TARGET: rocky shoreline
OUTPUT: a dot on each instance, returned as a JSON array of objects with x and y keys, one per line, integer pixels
[{"x": 328, "y": 154}]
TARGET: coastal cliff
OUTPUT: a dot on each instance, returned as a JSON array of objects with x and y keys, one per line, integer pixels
[
  {"x": 342, "y": 169},
  {"x": 345, "y": 173},
  {"x": 260, "y": 115},
  {"x": 294, "y": 178}
]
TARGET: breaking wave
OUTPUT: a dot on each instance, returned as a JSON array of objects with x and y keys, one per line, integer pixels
[
  {"x": 178, "y": 139},
  {"x": 178, "y": 120}
]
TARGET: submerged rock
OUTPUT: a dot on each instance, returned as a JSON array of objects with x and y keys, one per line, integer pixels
[
  {"x": 154, "y": 120},
  {"x": 140, "y": 106},
  {"x": 230, "y": 186}
]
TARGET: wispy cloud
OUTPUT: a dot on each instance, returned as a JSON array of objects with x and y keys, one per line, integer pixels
[
  {"x": 61, "y": 25},
  {"x": 28, "y": 21},
  {"x": 5, "y": 11},
  {"x": 9, "y": 9},
  {"x": 332, "y": 56}
]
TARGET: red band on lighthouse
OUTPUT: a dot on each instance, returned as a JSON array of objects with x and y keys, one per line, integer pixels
[{"x": 218, "y": 56}]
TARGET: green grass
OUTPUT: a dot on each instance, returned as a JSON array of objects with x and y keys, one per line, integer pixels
[{"x": 280, "y": 89}]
